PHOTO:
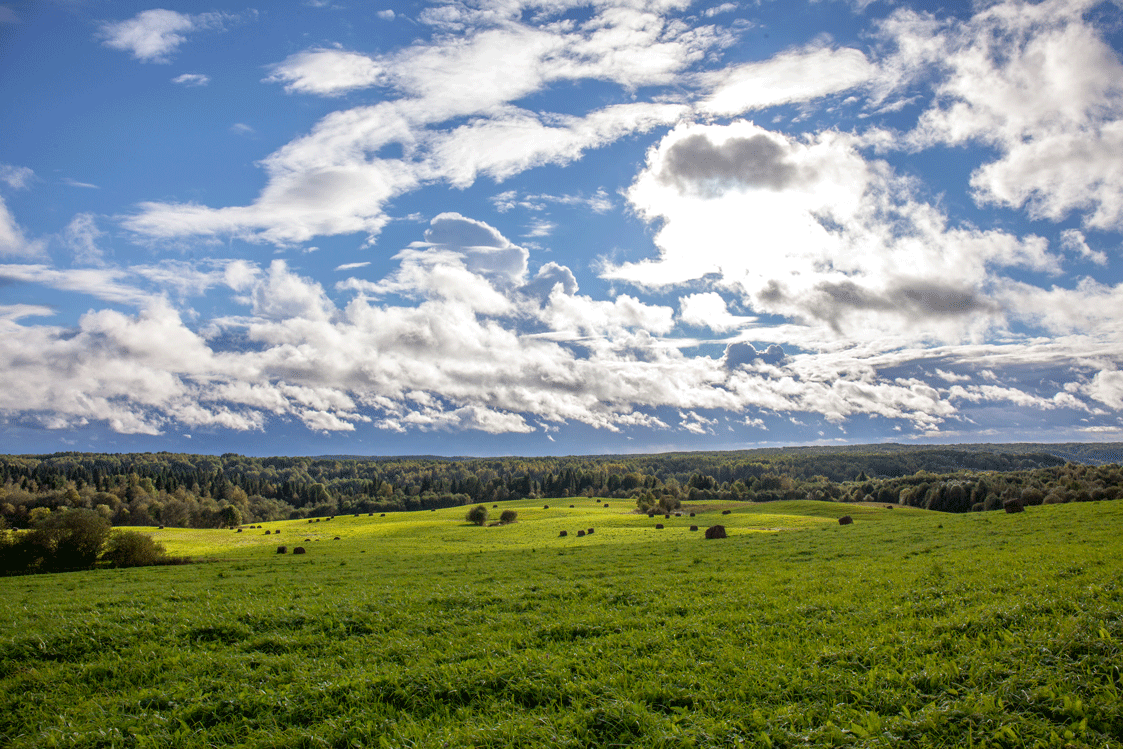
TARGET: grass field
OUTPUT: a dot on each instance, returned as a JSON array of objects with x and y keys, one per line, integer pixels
[{"x": 907, "y": 628}]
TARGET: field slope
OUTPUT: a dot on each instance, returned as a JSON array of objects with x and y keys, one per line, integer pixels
[{"x": 907, "y": 628}]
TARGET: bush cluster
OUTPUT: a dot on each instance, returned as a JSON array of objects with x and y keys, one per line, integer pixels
[{"x": 74, "y": 539}]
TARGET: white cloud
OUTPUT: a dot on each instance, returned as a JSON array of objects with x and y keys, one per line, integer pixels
[
  {"x": 331, "y": 182},
  {"x": 352, "y": 266},
  {"x": 191, "y": 79},
  {"x": 241, "y": 128},
  {"x": 327, "y": 72},
  {"x": 16, "y": 177},
  {"x": 811, "y": 230},
  {"x": 1074, "y": 241},
  {"x": 154, "y": 35},
  {"x": 1037, "y": 82},
  {"x": 75, "y": 183},
  {"x": 797, "y": 76},
  {"x": 81, "y": 236},
  {"x": 13, "y": 241},
  {"x": 708, "y": 310}
]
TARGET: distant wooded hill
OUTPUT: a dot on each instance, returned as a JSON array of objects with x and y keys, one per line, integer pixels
[{"x": 194, "y": 490}]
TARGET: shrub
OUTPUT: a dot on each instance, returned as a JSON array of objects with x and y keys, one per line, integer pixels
[
  {"x": 508, "y": 516},
  {"x": 477, "y": 515},
  {"x": 134, "y": 549},
  {"x": 71, "y": 539}
]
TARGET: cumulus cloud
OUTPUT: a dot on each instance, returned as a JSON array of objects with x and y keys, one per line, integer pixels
[
  {"x": 1040, "y": 84},
  {"x": 154, "y": 35},
  {"x": 811, "y": 229},
  {"x": 326, "y": 72}
]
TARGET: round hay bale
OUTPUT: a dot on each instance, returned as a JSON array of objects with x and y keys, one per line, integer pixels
[
  {"x": 846, "y": 520},
  {"x": 1013, "y": 505},
  {"x": 726, "y": 512},
  {"x": 606, "y": 504},
  {"x": 310, "y": 520},
  {"x": 658, "y": 526},
  {"x": 580, "y": 533},
  {"x": 716, "y": 531},
  {"x": 160, "y": 528},
  {"x": 572, "y": 506},
  {"x": 267, "y": 533},
  {"x": 298, "y": 550},
  {"x": 563, "y": 533},
  {"x": 381, "y": 515},
  {"x": 888, "y": 507},
  {"x": 369, "y": 515},
  {"x": 282, "y": 549},
  {"x": 336, "y": 538},
  {"x": 590, "y": 531},
  {"x": 239, "y": 530},
  {"x": 667, "y": 515},
  {"x": 651, "y": 514},
  {"x": 692, "y": 514},
  {"x": 693, "y": 527},
  {"x": 294, "y": 550},
  {"x": 545, "y": 507}
]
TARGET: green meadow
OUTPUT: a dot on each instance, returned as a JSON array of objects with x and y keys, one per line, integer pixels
[{"x": 907, "y": 628}]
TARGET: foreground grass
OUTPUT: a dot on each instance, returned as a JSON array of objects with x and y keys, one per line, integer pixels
[{"x": 905, "y": 629}]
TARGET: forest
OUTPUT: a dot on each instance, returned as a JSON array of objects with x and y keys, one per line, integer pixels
[{"x": 205, "y": 491}]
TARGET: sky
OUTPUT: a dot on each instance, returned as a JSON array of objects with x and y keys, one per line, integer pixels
[{"x": 558, "y": 227}]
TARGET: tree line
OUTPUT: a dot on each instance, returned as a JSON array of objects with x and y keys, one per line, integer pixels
[{"x": 207, "y": 491}]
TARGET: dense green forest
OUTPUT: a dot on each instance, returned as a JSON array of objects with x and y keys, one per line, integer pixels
[{"x": 214, "y": 491}]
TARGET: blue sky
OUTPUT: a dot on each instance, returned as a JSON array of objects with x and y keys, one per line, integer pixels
[{"x": 558, "y": 227}]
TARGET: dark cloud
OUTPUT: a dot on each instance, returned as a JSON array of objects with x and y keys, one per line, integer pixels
[
  {"x": 741, "y": 354},
  {"x": 916, "y": 300},
  {"x": 696, "y": 165}
]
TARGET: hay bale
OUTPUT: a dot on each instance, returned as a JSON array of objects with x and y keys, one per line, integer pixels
[
  {"x": 336, "y": 538},
  {"x": 563, "y": 534},
  {"x": 590, "y": 531},
  {"x": 693, "y": 527},
  {"x": 606, "y": 504},
  {"x": 382, "y": 515},
  {"x": 545, "y": 507},
  {"x": 267, "y": 533},
  {"x": 494, "y": 507},
  {"x": 239, "y": 530},
  {"x": 846, "y": 520},
  {"x": 310, "y": 520},
  {"x": 888, "y": 507},
  {"x": 692, "y": 514},
  {"x": 716, "y": 531},
  {"x": 667, "y": 515},
  {"x": 298, "y": 550},
  {"x": 651, "y": 514},
  {"x": 160, "y": 528},
  {"x": 1013, "y": 505},
  {"x": 294, "y": 550},
  {"x": 580, "y": 533},
  {"x": 658, "y": 526},
  {"x": 369, "y": 515},
  {"x": 726, "y": 512},
  {"x": 282, "y": 549},
  {"x": 572, "y": 506}
]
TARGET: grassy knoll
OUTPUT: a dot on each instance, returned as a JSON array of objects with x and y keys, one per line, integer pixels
[{"x": 907, "y": 628}]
